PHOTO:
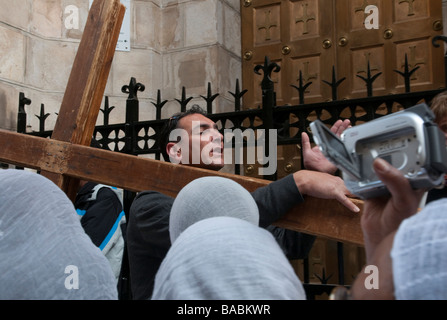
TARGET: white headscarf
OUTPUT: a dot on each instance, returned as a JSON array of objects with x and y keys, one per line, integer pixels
[
  {"x": 226, "y": 258},
  {"x": 44, "y": 251},
  {"x": 211, "y": 197},
  {"x": 419, "y": 255}
]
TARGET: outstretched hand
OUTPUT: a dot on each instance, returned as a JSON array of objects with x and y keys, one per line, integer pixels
[
  {"x": 313, "y": 158},
  {"x": 324, "y": 186}
]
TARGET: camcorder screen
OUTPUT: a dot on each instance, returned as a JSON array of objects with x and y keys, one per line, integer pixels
[
  {"x": 336, "y": 144},
  {"x": 334, "y": 149}
]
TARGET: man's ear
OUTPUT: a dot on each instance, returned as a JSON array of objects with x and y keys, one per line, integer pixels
[{"x": 174, "y": 152}]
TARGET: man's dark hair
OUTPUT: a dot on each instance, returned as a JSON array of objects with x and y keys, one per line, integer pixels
[{"x": 172, "y": 124}]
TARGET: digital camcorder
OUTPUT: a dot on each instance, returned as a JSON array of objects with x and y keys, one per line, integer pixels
[{"x": 409, "y": 140}]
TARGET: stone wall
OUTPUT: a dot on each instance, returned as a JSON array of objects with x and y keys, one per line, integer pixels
[{"x": 174, "y": 44}]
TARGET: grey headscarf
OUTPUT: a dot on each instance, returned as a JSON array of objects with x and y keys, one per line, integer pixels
[
  {"x": 211, "y": 197},
  {"x": 44, "y": 252},
  {"x": 226, "y": 258},
  {"x": 419, "y": 255}
]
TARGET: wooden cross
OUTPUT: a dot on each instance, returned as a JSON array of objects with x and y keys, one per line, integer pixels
[
  {"x": 410, "y": 6},
  {"x": 66, "y": 157},
  {"x": 305, "y": 19},
  {"x": 267, "y": 25}
]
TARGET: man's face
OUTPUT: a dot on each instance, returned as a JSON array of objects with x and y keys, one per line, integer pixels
[{"x": 205, "y": 142}]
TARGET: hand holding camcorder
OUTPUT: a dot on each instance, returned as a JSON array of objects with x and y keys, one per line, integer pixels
[{"x": 409, "y": 140}]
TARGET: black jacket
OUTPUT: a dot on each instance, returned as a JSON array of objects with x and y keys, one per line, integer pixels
[
  {"x": 99, "y": 215},
  {"x": 148, "y": 238},
  {"x": 102, "y": 217}
]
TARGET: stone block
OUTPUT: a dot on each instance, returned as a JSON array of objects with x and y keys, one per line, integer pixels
[
  {"x": 9, "y": 97},
  {"x": 172, "y": 36},
  {"x": 46, "y": 18},
  {"x": 12, "y": 57},
  {"x": 147, "y": 26},
  {"x": 49, "y": 63},
  {"x": 18, "y": 13},
  {"x": 200, "y": 23},
  {"x": 144, "y": 65}
]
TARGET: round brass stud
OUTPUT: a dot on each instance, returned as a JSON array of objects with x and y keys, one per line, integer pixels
[
  {"x": 248, "y": 55},
  {"x": 286, "y": 50},
  {"x": 249, "y": 169},
  {"x": 388, "y": 34},
  {"x": 343, "y": 41},
  {"x": 327, "y": 44},
  {"x": 437, "y": 25}
]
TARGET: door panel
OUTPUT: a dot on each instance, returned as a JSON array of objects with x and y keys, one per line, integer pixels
[
  {"x": 290, "y": 33},
  {"x": 405, "y": 28},
  {"x": 312, "y": 36},
  {"x": 309, "y": 39}
]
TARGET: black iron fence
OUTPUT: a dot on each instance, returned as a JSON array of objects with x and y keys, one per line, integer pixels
[{"x": 142, "y": 137}]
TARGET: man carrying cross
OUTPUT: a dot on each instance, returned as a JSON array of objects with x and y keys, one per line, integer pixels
[
  {"x": 148, "y": 227},
  {"x": 66, "y": 157}
]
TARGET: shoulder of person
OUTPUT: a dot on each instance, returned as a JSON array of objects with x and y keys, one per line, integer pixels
[
  {"x": 149, "y": 200},
  {"x": 107, "y": 191},
  {"x": 151, "y": 195}
]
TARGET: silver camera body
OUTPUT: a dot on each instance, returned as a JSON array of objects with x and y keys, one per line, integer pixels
[{"x": 409, "y": 140}]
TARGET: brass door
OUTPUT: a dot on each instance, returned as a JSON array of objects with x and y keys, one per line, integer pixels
[
  {"x": 313, "y": 36},
  {"x": 311, "y": 39},
  {"x": 406, "y": 27},
  {"x": 295, "y": 35}
]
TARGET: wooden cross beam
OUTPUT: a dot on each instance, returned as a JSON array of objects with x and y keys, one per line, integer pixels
[
  {"x": 326, "y": 218},
  {"x": 88, "y": 78},
  {"x": 66, "y": 157}
]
